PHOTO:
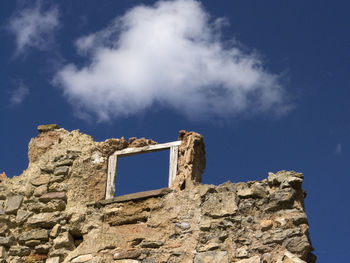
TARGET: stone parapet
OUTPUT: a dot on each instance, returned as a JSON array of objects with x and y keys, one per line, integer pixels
[{"x": 56, "y": 212}]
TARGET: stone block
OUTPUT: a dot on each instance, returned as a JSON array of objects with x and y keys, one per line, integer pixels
[
  {"x": 46, "y": 170},
  {"x": 57, "y": 178},
  {"x": 4, "y": 192},
  {"x": 40, "y": 190},
  {"x": 137, "y": 196},
  {"x": 53, "y": 260},
  {"x": 36, "y": 234},
  {"x": 61, "y": 252},
  {"x": 245, "y": 193},
  {"x": 129, "y": 261},
  {"x": 32, "y": 243},
  {"x": 288, "y": 257},
  {"x": 47, "y": 127},
  {"x": 211, "y": 257},
  {"x": 61, "y": 170},
  {"x": 82, "y": 258},
  {"x": 63, "y": 240},
  {"x": 22, "y": 216},
  {"x": 53, "y": 195},
  {"x": 242, "y": 252},
  {"x": 66, "y": 162},
  {"x": 128, "y": 254},
  {"x": 183, "y": 225},
  {"x": 266, "y": 225},
  {"x": 40, "y": 180},
  {"x": 55, "y": 231},
  {"x": 54, "y": 205},
  {"x": 151, "y": 244},
  {"x": 20, "y": 251},
  {"x": 7, "y": 241},
  {"x": 220, "y": 204},
  {"x": 13, "y": 204},
  {"x": 58, "y": 187},
  {"x": 281, "y": 199},
  {"x": 3, "y": 228},
  {"x": 255, "y": 259},
  {"x": 3, "y": 253},
  {"x": 298, "y": 244},
  {"x": 44, "y": 220},
  {"x": 42, "y": 248}
]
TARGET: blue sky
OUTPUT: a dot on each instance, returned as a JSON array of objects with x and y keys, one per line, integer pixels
[{"x": 265, "y": 82}]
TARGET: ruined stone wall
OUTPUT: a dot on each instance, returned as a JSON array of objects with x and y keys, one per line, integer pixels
[{"x": 55, "y": 211}]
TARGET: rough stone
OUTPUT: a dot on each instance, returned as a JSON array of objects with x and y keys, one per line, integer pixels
[
  {"x": 40, "y": 190},
  {"x": 37, "y": 234},
  {"x": 40, "y": 180},
  {"x": 61, "y": 252},
  {"x": 82, "y": 258},
  {"x": 3, "y": 177},
  {"x": 129, "y": 261},
  {"x": 3, "y": 253},
  {"x": 4, "y": 192},
  {"x": 299, "y": 218},
  {"x": 32, "y": 243},
  {"x": 286, "y": 179},
  {"x": 53, "y": 195},
  {"x": 205, "y": 225},
  {"x": 183, "y": 225},
  {"x": 42, "y": 249},
  {"x": 288, "y": 257},
  {"x": 53, "y": 260},
  {"x": 47, "y": 127},
  {"x": 20, "y": 251},
  {"x": 151, "y": 244},
  {"x": 298, "y": 244},
  {"x": 55, "y": 231},
  {"x": 129, "y": 254},
  {"x": 7, "y": 241},
  {"x": 266, "y": 225},
  {"x": 13, "y": 204},
  {"x": 61, "y": 170},
  {"x": 255, "y": 259},
  {"x": 211, "y": 257},
  {"x": 213, "y": 244},
  {"x": 57, "y": 179},
  {"x": 242, "y": 252},
  {"x": 245, "y": 193},
  {"x": 22, "y": 216},
  {"x": 58, "y": 187},
  {"x": 64, "y": 240},
  {"x": 220, "y": 204},
  {"x": 137, "y": 196},
  {"x": 281, "y": 199},
  {"x": 44, "y": 220},
  {"x": 67, "y": 162}
]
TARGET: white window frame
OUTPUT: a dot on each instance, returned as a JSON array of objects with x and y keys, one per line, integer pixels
[{"x": 113, "y": 162}]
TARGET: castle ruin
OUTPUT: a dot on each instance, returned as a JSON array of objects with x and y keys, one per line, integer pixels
[{"x": 62, "y": 208}]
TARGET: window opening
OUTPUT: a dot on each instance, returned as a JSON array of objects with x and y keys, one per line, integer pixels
[
  {"x": 142, "y": 172},
  {"x": 113, "y": 163}
]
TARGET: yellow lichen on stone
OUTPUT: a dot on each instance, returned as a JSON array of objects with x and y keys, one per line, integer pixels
[{"x": 47, "y": 127}]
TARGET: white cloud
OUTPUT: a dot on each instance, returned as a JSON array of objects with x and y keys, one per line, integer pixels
[
  {"x": 33, "y": 27},
  {"x": 169, "y": 54},
  {"x": 19, "y": 94}
]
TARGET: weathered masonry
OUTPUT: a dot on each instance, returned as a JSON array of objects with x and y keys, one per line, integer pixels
[{"x": 62, "y": 208}]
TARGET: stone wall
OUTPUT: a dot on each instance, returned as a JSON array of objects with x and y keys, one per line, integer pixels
[{"x": 55, "y": 211}]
